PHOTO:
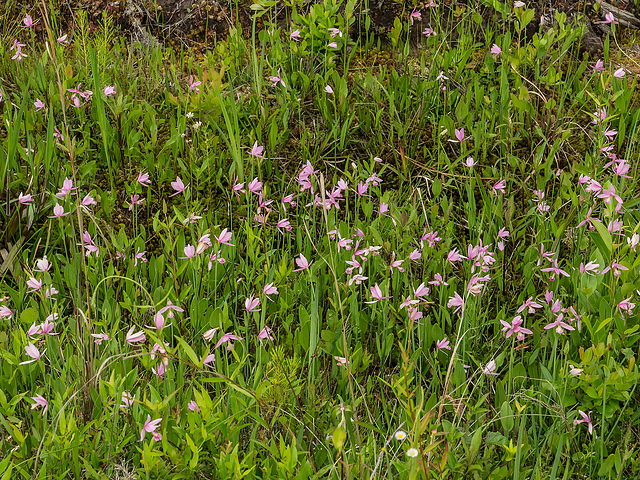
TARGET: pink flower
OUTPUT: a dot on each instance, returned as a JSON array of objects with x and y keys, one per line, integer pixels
[
  {"x": 626, "y": 305},
  {"x": 516, "y": 327},
  {"x": 208, "y": 360},
  {"x": 276, "y": 79},
  {"x": 139, "y": 256},
  {"x": 227, "y": 338},
  {"x": 193, "y": 406},
  {"x": 193, "y": 86},
  {"x": 530, "y": 305},
  {"x": 5, "y": 312},
  {"x": 67, "y": 188},
  {"x": 25, "y": 199},
  {"x": 443, "y": 344},
  {"x": 34, "y": 284},
  {"x": 109, "y": 91},
  {"x": 455, "y": 301},
  {"x": 265, "y": 334},
  {"x": 32, "y": 351},
  {"x": 585, "y": 419},
  {"x": 333, "y": 45},
  {"x": 208, "y": 335},
  {"x": 150, "y": 426},
  {"x": 427, "y": 32},
  {"x": 257, "y": 151},
  {"x": 495, "y": 50},
  {"x": 295, "y": 35},
  {"x": 598, "y": 67},
  {"x": 135, "y": 337},
  {"x": 135, "y": 200},
  {"x": 143, "y": 179},
  {"x": 40, "y": 401},
  {"x": 284, "y": 223},
  {"x": 302, "y": 263},
  {"x": 609, "y": 18},
  {"x": 328, "y": 89},
  {"x": 269, "y": 289},
  {"x": 335, "y": 32},
  {"x": 376, "y": 294},
  {"x": 126, "y": 399},
  {"x": 437, "y": 280},
  {"x": 178, "y": 186},
  {"x": 415, "y": 16},
  {"x": 28, "y": 21},
  {"x": 559, "y": 325},
  {"x": 620, "y": 73},
  {"x": 255, "y": 186},
  {"x": 251, "y": 303},
  {"x": 421, "y": 291},
  {"x": 189, "y": 252},
  {"x": 454, "y": 256},
  {"x": 100, "y": 337},
  {"x": 39, "y": 104},
  {"x": 342, "y": 361},
  {"x": 470, "y": 162},
  {"x": 88, "y": 201},
  {"x": 459, "y": 134},
  {"x": 499, "y": 187}
]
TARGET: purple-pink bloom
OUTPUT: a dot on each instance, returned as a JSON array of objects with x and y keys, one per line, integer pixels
[
  {"x": 585, "y": 419},
  {"x": 459, "y": 134},
  {"x": 559, "y": 325},
  {"x": 143, "y": 179},
  {"x": 28, "y": 21},
  {"x": 227, "y": 338},
  {"x": 257, "y": 151},
  {"x": 302, "y": 263},
  {"x": 265, "y": 334},
  {"x": 193, "y": 86},
  {"x": 415, "y": 15},
  {"x": 32, "y": 351},
  {"x": 376, "y": 294},
  {"x": 66, "y": 189},
  {"x": 455, "y": 301},
  {"x": 39, "y": 104},
  {"x": 499, "y": 187},
  {"x": 40, "y": 401},
  {"x": 224, "y": 237},
  {"x": 109, "y": 90},
  {"x": 269, "y": 289},
  {"x": 495, "y": 50},
  {"x": 178, "y": 186},
  {"x": 251, "y": 304},
  {"x": 135, "y": 337},
  {"x": 150, "y": 426},
  {"x": 515, "y": 327},
  {"x": 276, "y": 79},
  {"x": 443, "y": 344},
  {"x": 25, "y": 199}
]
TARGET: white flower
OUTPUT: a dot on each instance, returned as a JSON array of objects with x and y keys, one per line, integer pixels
[
  {"x": 197, "y": 125},
  {"x": 412, "y": 452},
  {"x": 189, "y": 114},
  {"x": 574, "y": 370},
  {"x": 400, "y": 435}
]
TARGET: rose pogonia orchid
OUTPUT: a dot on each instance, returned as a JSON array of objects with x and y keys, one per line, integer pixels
[
  {"x": 251, "y": 304},
  {"x": 32, "y": 351},
  {"x": 40, "y": 401},
  {"x": 302, "y": 263},
  {"x": 585, "y": 419},
  {"x": 265, "y": 334},
  {"x": 178, "y": 186},
  {"x": 150, "y": 426},
  {"x": 227, "y": 338},
  {"x": 135, "y": 337},
  {"x": 443, "y": 344}
]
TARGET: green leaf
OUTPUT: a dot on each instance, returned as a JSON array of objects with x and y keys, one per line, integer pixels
[
  {"x": 604, "y": 235},
  {"x": 339, "y": 437},
  {"x": 29, "y": 315}
]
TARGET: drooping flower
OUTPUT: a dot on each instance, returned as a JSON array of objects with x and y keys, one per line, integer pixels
[
  {"x": 135, "y": 337},
  {"x": 227, "y": 338},
  {"x": 100, "y": 337},
  {"x": 40, "y": 401}
]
